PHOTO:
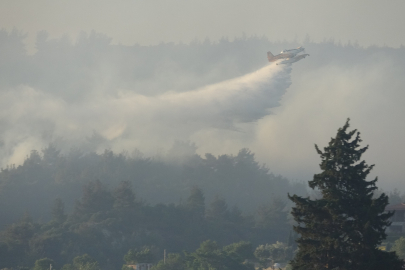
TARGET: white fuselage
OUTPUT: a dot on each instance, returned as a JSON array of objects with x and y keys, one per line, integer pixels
[
  {"x": 285, "y": 54},
  {"x": 293, "y": 52}
]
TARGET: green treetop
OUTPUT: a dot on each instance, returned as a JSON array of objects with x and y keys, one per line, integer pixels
[
  {"x": 399, "y": 248},
  {"x": 342, "y": 229},
  {"x": 145, "y": 255},
  {"x": 43, "y": 264}
]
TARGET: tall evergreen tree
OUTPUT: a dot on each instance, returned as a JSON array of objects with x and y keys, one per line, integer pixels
[
  {"x": 96, "y": 198},
  {"x": 124, "y": 197},
  {"x": 218, "y": 209},
  {"x": 196, "y": 203},
  {"x": 343, "y": 229}
]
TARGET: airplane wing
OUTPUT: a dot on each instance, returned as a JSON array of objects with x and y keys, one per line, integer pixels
[{"x": 293, "y": 59}]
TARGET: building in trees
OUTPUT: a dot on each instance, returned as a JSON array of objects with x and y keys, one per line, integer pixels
[
  {"x": 139, "y": 266},
  {"x": 140, "y": 259},
  {"x": 343, "y": 229}
]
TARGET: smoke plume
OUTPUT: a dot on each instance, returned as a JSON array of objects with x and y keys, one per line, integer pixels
[{"x": 122, "y": 119}]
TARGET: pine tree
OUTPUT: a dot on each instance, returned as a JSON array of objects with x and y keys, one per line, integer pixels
[
  {"x": 124, "y": 197},
  {"x": 218, "y": 209},
  {"x": 58, "y": 211},
  {"x": 343, "y": 229}
]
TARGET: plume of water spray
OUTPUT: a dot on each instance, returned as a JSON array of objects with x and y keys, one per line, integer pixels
[{"x": 31, "y": 118}]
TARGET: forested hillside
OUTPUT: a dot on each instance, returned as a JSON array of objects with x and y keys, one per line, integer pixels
[
  {"x": 121, "y": 205},
  {"x": 48, "y": 175}
]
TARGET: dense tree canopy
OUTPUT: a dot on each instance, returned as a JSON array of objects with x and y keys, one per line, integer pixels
[
  {"x": 107, "y": 223},
  {"x": 239, "y": 180}
]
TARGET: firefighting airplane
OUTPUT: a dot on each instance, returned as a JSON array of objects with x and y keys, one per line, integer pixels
[
  {"x": 289, "y": 56},
  {"x": 284, "y": 54}
]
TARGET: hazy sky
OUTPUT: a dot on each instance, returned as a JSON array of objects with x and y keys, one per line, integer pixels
[{"x": 369, "y": 22}]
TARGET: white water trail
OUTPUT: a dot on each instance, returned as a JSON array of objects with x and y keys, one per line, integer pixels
[{"x": 31, "y": 119}]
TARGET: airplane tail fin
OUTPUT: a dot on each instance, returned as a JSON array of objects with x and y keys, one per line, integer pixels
[{"x": 270, "y": 56}]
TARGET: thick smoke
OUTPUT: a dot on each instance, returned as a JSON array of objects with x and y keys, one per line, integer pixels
[
  {"x": 93, "y": 95},
  {"x": 123, "y": 119}
]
